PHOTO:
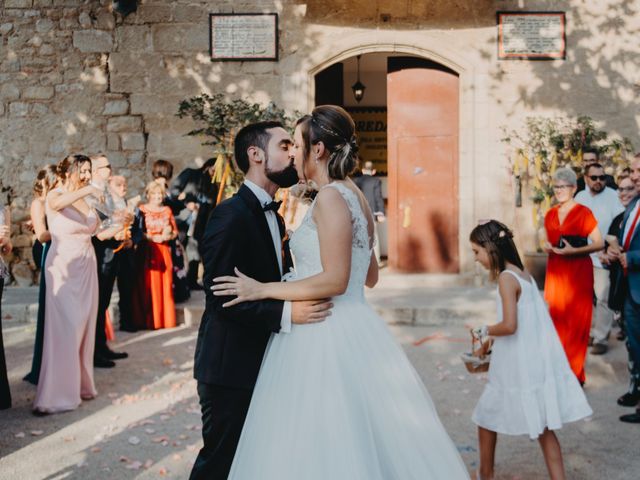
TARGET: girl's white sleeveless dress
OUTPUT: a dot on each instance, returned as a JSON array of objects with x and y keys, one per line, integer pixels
[
  {"x": 531, "y": 386},
  {"x": 339, "y": 400}
]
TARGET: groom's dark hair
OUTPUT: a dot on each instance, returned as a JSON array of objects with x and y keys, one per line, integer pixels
[{"x": 252, "y": 135}]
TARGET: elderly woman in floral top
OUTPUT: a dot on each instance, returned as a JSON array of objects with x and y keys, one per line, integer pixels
[{"x": 5, "y": 248}]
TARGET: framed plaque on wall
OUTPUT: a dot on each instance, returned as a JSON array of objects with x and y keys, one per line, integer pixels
[
  {"x": 531, "y": 35},
  {"x": 243, "y": 36}
]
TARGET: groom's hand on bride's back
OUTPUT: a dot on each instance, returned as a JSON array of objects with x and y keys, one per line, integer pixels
[{"x": 310, "y": 311}]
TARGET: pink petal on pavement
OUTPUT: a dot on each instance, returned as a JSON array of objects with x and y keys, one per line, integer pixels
[{"x": 134, "y": 465}]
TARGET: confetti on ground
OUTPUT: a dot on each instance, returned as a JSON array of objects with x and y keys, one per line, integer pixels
[
  {"x": 149, "y": 430},
  {"x": 36, "y": 433},
  {"x": 439, "y": 336},
  {"x": 19, "y": 435},
  {"x": 134, "y": 440},
  {"x": 163, "y": 471},
  {"x": 69, "y": 439},
  {"x": 148, "y": 463},
  {"x": 134, "y": 465},
  {"x": 96, "y": 449}
]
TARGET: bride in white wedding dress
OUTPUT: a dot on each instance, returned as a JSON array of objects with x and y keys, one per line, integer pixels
[{"x": 336, "y": 400}]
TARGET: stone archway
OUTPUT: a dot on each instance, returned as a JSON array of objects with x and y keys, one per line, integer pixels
[{"x": 466, "y": 131}]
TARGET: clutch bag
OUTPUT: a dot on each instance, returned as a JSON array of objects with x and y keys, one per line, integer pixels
[{"x": 576, "y": 241}]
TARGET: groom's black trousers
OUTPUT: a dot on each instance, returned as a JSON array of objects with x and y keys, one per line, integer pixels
[{"x": 224, "y": 410}]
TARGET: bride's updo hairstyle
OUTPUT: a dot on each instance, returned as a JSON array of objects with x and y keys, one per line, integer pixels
[{"x": 332, "y": 126}]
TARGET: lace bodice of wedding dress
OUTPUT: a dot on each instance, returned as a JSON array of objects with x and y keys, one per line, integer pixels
[{"x": 305, "y": 244}]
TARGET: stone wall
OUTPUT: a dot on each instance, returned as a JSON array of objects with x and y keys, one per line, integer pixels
[{"x": 76, "y": 77}]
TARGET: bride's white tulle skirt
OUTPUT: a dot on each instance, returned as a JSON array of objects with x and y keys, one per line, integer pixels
[{"x": 339, "y": 400}]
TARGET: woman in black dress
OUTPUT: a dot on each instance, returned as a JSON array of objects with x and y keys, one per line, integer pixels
[{"x": 46, "y": 180}]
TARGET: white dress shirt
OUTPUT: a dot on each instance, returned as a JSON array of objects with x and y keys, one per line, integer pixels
[
  {"x": 272, "y": 220},
  {"x": 605, "y": 206}
]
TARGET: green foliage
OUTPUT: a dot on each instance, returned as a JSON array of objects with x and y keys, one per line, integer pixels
[
  {"x": 546, "y": 144},
  {"x": 220, "y": 118}
]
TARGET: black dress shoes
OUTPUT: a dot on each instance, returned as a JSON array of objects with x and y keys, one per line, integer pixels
[
  {"x": 101, "y": 362},
  {"x": 629, "y": 400},
  {"x": 111, "y": 355},
  {"x": 631, "y": 418}
]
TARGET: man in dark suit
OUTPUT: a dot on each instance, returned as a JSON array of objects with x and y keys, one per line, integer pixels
[
  {"x": 371, "y": 188},
  {"x": 192, "y": 196},
  {"x": 630, "y": 261},
  {"x": 244, "y": 232},
  {"x": 111, "y": 264}
]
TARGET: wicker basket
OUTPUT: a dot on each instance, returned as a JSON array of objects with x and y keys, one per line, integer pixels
[{"x": 476, "y": 361}]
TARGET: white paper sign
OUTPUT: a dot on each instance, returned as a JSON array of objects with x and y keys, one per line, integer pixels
[
  {"x": 244, "y": 36},
  {"x": 531, "y": 35}
]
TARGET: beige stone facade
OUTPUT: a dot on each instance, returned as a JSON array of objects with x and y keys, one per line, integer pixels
[{"x": 75, "y": 77}]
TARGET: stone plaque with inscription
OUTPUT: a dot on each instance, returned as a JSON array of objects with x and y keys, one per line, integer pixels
[
  {"x": 243, "y": 36},
  {"x": 531, "y": 35}
]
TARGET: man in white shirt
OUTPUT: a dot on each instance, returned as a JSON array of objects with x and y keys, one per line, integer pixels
[{"x": 605, "y": 206}]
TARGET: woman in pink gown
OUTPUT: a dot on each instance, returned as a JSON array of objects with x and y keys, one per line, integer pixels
[{"x": 71, "y": 302}]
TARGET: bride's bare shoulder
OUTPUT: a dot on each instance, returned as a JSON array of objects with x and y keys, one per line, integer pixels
[{"x": 330, "y": 202}]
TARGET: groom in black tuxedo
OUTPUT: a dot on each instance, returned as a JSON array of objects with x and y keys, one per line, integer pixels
[{"x": 244, "y": 232}]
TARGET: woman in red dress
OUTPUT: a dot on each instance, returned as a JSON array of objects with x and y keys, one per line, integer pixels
[
  {"x": 568, "y": 287},
  {"x": 155, "y": 227}
]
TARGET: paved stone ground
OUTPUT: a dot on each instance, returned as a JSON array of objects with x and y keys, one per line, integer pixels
[{"x": 145, "y": 422}]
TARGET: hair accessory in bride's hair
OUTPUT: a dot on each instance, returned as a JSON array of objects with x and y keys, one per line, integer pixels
[{"x": 325, "y": 128}]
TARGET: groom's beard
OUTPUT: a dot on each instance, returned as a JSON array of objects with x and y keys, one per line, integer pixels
[{"x": 284, "y": 178}]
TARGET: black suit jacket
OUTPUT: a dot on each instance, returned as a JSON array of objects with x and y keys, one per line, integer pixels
[
  {"x": 372, "y": 189},
  {"x": 197, "y": 187},
  {"x": 231, "y": 341}
]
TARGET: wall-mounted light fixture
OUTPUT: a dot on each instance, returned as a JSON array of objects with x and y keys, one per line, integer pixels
[{"x": 358, "y": 87}]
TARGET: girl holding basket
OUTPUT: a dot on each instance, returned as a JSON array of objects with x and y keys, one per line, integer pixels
[{"x": 531, "y": 389}]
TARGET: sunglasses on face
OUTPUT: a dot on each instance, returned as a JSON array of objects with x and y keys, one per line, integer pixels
[{"x": 600, "y": 178}]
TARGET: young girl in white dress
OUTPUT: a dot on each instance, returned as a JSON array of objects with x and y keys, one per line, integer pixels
[{"x": 531, "y": 389}]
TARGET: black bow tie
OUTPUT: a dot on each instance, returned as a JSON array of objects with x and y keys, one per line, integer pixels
[{"x": 273, "y": 206}]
